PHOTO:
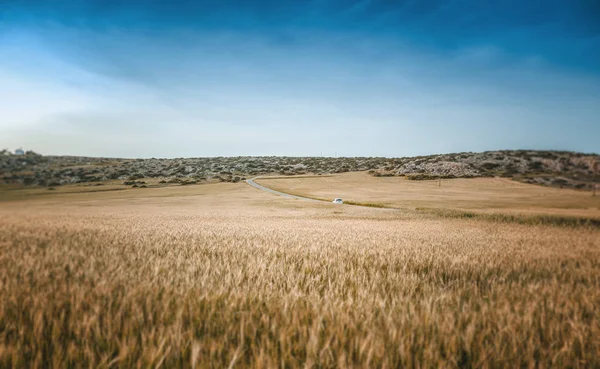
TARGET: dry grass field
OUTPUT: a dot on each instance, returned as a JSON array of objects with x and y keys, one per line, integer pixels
[
  {"x": 476, "y": 194},
  {"x": 224, "y": 275}
]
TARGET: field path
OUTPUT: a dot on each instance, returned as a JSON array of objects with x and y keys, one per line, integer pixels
[{"x": 263, "y": 188}]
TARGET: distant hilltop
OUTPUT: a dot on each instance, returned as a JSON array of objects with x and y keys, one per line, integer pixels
[{"x": 548, "y": 168}]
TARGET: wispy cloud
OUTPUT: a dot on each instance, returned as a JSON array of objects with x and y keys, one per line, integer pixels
[{"x": 297, "y": 78}]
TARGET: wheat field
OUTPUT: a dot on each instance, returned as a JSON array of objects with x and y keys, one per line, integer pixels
[{"x": 226, "y": 276}]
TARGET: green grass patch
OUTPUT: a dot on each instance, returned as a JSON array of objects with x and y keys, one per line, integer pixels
[
  {"x": 370, "y": 205},
  {"x": 541, "y": 219}
]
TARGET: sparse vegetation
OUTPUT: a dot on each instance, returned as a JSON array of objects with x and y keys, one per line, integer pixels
[{"x": 536, "y": 167}]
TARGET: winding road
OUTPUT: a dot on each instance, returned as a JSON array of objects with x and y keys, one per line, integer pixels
[
  {"x": 266, "y": 189},
  {"x": 263, "y": 188}
]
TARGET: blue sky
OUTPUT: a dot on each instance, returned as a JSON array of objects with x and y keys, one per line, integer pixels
[{"x": 300, "y": 78}]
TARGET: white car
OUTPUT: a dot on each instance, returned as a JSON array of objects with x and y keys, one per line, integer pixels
[{"x": 337, "y": 200}]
